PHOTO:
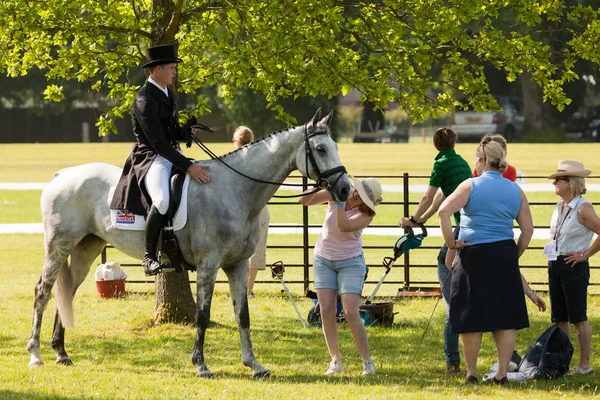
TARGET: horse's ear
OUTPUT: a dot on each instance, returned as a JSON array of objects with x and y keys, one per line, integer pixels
[
  {"x": 328, "y": 118},
  {"x": 315, "y": 120}
]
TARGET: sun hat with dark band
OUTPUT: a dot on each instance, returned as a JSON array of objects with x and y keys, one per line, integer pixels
[
  {"x": 164, "y": 54},
  {"x": 570, "y": 168},
  {"x": 369, "y": 190}
]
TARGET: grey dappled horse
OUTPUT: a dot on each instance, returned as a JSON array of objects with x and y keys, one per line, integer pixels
[{"x": 221, "y": 231}]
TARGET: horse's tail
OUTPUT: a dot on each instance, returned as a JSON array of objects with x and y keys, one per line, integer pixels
[{"x": 63, "y": 292}]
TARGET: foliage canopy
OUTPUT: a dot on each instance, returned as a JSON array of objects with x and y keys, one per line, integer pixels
[{"x": 421, "y": 53}]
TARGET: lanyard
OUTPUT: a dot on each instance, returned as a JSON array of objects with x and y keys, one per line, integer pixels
[{"x": 560, "y": 225}]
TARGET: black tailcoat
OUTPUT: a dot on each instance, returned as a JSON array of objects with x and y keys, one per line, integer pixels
[{"x": 157, "y": 132}]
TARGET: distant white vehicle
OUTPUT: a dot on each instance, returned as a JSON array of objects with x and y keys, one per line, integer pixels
[{"x": 507, "y": 122}]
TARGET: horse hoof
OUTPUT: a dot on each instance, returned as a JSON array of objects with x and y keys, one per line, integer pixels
[
  {"x": 36, "y": 364},
  {"x": 64, "y": 361},
  {"x": 262, "y": 374},
  {"x": 204, "y": 373}
]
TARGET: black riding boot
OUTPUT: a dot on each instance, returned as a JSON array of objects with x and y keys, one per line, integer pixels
[{"x": 154, "y": 223}]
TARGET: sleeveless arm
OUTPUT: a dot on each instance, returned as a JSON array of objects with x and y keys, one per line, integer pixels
[
  {"x": 354, "y": 223},
  {"x": 525, "y": 224},
  {"x": 457, "y": 200},
  {"x": 587, "y": 217},
  {"x": 320, "y": 197}
]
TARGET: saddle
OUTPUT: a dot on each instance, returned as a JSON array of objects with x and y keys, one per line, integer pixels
[{"x": 170, "y": 246}]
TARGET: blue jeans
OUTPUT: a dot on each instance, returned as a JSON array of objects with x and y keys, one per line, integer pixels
[{"x": 445, "y": 278}]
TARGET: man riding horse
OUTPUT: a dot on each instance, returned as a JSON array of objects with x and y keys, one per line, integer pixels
[{"x": 144, "y": 185}]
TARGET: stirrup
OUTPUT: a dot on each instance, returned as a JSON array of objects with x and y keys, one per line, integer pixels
[{"x": 153, "y": 267}]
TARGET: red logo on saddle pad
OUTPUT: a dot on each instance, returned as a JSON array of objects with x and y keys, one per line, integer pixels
[{"x": 125, "y": 217}]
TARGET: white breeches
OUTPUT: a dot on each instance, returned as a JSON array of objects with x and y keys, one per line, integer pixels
[{"x": 157, "y": 183}]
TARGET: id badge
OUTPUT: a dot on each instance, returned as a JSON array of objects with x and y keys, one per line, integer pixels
[{"x": 551, "y": 251}]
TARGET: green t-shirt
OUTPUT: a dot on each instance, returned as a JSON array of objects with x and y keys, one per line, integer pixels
[{"x": 449, "y": 170}]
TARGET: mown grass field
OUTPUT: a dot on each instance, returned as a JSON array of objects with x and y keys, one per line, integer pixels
[{"x": 118, "y": 354}]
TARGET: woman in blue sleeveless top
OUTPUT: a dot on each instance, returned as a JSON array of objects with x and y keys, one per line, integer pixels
[{"x": 487, "y": 292}]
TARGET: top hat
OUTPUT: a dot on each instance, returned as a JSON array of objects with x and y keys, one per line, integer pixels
[
  {"x": 164, "y": 54},
  {"x": 570, "y": 168},
  {"x": 369, "y": 191}
]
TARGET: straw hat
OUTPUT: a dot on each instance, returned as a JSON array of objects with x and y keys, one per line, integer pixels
[
  {"x": 570, "y": 168},
  {"x": 369, "y": 190}
]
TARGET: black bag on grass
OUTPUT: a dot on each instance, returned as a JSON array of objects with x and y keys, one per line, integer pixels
[{"x": 549, "y": 356}]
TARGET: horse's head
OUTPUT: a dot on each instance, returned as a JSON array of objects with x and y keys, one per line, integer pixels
[{"x": 319, "y": 160}]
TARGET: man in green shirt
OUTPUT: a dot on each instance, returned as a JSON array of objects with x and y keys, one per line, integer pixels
[{"x": 449, "y": 170}]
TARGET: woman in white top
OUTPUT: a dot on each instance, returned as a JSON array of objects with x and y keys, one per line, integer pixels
[
  {"x": 339, "y": 265},
  {"x": 573, "y": 225}
]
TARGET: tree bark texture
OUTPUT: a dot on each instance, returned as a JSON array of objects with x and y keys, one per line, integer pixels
[
  {"x": 372, "y": 120},
  {"x": 538, "y": 114},
  {"x": 174, "y": 301}
]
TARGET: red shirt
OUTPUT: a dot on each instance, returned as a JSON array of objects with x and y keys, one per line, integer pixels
[{"x": 510, "y": 173}]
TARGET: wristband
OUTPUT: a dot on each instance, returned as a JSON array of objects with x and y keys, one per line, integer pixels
[
  {"x": 340, "y": 204},
  {"x": 529, "y": 293},
  {"x": 413, "y": 220}
]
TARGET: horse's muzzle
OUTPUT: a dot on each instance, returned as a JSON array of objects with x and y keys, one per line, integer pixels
[{"x": 341, "y": 190}]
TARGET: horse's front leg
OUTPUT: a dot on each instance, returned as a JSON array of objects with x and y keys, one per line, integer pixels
[
  {"x": 205, "y": 286},
  {"x": 238, "y": 283}
]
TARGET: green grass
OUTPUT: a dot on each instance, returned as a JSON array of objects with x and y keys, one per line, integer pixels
[
  {"x": 38, "y": 162},
  {"x": 118, "y": 354}
]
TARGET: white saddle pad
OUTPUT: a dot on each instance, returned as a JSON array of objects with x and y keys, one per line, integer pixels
[{"x": 123, "y": 219}]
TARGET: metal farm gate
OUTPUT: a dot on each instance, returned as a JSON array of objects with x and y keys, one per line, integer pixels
[{"x": 408, "y": 285}]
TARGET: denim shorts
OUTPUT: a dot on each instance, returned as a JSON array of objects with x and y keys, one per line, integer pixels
[{"x": 345, "y": 276}]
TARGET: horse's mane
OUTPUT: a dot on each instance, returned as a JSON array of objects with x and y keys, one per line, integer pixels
[
  {"x": 253, "y": 143},
  {"x": 262, "y": 139}
]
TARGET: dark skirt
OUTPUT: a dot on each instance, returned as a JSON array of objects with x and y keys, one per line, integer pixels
[{"x": 487, "y": 292}]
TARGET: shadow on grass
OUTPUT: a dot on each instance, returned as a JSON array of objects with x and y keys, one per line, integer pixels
[
  {"x": 294, "y": 355},
  {"x": 10, "y": 395},
  {"x": 16, "y": 395}
]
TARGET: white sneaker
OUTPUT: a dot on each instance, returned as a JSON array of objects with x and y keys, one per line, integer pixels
[
  {"x": 335, "y": 367},
  {"x": 368, "y": 368}
]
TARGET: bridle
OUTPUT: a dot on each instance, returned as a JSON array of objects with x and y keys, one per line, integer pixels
[{"x": 321, "y": 182}]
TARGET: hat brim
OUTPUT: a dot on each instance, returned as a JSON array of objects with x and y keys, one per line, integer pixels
[
  {"x": 361, "y": 192},
  {"x": 581, "y": 173},
  {"x": 162, "y": 61}
]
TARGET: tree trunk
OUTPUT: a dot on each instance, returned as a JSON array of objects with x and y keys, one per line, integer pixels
[
  {"x": 174, "y": 300},
  {"x": 372, "y": 120},
  {"x": 538, "y": 114},
  {"x": 532, "y": 104}
]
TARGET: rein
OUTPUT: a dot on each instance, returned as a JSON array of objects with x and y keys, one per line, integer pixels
[{"x": 321, "y": 182}]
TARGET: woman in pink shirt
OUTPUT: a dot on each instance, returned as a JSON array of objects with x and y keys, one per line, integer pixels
[{"x": 339, "y": 265}]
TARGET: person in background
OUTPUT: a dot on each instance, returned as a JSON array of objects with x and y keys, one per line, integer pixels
[
  {"x": 510, "y": 172},
  {"x": 572, "y": 228},
  {"x": 339, "y": 265},
  {"x": 258, "y": 261},
  {"x": 449, "y": 170},
  {"x": 488, "y": 289}
]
